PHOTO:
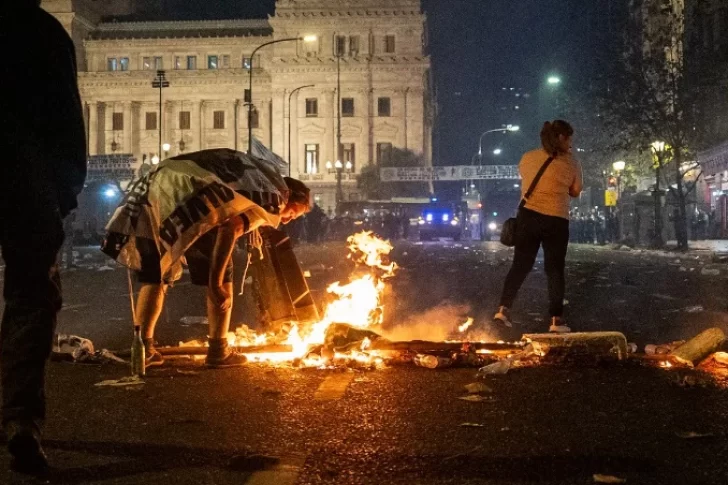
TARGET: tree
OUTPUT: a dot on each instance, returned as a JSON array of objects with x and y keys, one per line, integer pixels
[
  {"x": 647, "y": 98},
  {"x": 371, "y": 184}
]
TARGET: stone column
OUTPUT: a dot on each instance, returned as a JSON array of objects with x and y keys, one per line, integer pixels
[
  {"x": 295, "y": 155},
  {"x": 278, "y": 122},
  {"x": 101, "y": 143},
  {"x": 135, "y": 129},
  {"x": 363, "y": 154},
  {"x": 328, "y": 151},
  {"x": 93, "y": 128},
  {"x": 126, "y": 146},
  {"x": 201, "y": 125}
]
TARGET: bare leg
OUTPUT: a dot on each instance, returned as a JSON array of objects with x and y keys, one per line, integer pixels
[
  {"x": 149, "y": 307},
  {"x": 219, "y": 320}
]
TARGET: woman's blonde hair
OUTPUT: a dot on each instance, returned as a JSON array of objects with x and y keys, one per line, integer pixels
[{"x": 550, "y": 135}]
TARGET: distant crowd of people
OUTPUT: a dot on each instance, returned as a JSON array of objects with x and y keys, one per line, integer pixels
[
  {"x": 317, "y": 226},
  {"x": 594, "y": 227}
]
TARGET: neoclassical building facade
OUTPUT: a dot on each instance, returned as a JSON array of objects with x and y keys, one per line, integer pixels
[{"x": 373, "y": 49}]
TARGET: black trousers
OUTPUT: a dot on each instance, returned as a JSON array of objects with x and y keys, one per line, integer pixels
[
  {"x": 532, "y": 231},
  {"x": 30, "y": 243}
]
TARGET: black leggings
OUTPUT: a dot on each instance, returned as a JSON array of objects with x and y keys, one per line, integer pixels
[{"x": 532, "y": 231}]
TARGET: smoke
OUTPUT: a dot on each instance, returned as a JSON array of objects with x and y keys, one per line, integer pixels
[{"x": 435, "y": 324}]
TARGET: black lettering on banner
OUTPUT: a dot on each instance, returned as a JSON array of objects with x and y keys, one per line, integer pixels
[
  {"x": 223, "y": 192},
  {"x": 181, "y": 219},
  {"x": 246, "y": 223},
  {"x": 197, "y": 209},
  {"x": 168, "y": 232}
]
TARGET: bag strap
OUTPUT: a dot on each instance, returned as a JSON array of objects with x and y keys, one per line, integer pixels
[{"x": 535, "y": 182}]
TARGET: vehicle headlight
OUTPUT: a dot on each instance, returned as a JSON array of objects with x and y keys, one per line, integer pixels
[
  {"x": 421, "y": 221},
  {"x": 454, "y": 222},
  {"x": 492, "y": 226}
]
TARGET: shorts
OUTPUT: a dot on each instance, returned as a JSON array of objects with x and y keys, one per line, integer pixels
[{"x": 198, "y": 262}]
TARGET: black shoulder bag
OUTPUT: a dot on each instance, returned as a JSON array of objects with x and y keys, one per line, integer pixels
[{"x": 508, "y": 234}]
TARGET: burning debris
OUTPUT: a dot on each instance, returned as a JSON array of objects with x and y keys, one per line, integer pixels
[{"x": 350, "y": 333}]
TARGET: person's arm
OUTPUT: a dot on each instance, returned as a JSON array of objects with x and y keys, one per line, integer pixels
[
  {"x": 578, "y": 184},
  {"x": 222, "y": 252}
]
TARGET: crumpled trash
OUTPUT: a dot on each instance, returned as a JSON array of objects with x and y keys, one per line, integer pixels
[
  {"x": 721, "y": 358},
  {"x": 188, "y": 320},
  {"x": 123, "y": 382},
  {"x": 72, "y": 345},
  {"x": 99, "y": 357},
  {"x": 598, "y": 478},
  {"x": 710, "y": 272},
  {"x": 693, "y": 309},
  {"x": 497, "y": 368},
  {"x": 474, "y": 398},
  {"x": 692, "y": 435},
  {"x": 477, "y": 388},
  {"x": 503, "y": 366}
]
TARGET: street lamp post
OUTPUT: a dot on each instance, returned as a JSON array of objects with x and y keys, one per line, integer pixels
[
  {"x": 658, "y": 149},
  {"x": 250, "y": 84},
  {"x": 160, "y": 82},
  {"x": 290, "y": 95},
  {"x": 506, "y": 129},
  {"x": 618, "y": 167}
]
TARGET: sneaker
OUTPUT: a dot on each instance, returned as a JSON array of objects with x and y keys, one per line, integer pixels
[
  {"x": 24, "y": 445},
  {"x": 503, "y": 316},
  {"x": 153, "y": 358},
  {"x": 558, "y": 326},
  {"x": 230, "y": 359}
]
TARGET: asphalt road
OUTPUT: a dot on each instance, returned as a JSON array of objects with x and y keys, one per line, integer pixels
[{"x": 558, "y": 424}]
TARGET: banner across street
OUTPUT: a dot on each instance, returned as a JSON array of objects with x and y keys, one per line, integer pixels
[{"x": 449, "y": 173}]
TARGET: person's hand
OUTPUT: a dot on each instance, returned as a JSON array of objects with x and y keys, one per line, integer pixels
[{"x": 221, "y": 298}]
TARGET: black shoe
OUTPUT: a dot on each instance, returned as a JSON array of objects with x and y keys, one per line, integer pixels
[
  {"x": 24, "y": 446},
  {"x": 229, "y": 359}
]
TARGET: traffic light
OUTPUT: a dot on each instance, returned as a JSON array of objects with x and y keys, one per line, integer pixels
[{"x": 612, "y": 181}]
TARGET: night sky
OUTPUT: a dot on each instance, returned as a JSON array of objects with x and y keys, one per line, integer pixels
[{"x": 477, "y": 48}]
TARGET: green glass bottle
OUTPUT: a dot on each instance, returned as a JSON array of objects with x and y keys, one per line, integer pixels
[{"x": 137, "y": 353}]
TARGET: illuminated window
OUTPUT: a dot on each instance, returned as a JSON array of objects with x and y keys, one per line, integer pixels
[{"x": 312, "y": 158}]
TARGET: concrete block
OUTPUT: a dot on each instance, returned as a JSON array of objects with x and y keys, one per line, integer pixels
[{"x": 606, "y": 344}]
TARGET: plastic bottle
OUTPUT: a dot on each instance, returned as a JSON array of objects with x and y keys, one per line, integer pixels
[
  {"x": 432, "y": 361},
  {"x": 138, "y": 353}
]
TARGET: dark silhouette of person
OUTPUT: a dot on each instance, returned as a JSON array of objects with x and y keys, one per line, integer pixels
[
  {"x": 315, "y": 223},
  {"x": 42, "y": 138}
]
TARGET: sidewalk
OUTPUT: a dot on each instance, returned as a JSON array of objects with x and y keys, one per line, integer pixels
[{"x": 712, "y": 245}]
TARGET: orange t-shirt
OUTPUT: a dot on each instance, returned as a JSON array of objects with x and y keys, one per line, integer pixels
[{"x": 561, "y": 181}]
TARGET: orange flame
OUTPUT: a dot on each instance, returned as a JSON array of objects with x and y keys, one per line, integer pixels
[{"x": 357, "y": 303}]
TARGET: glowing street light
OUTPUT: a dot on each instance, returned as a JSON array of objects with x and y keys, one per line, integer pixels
[
  {"x": 553, "y": 80},
  {"x": 497, "y": 151},
  {"x": 155, "y": 160},
  {"x": 619, "y": 165}
]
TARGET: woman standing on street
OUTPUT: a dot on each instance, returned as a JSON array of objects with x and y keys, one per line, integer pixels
[{"x": 544, "y": 220}]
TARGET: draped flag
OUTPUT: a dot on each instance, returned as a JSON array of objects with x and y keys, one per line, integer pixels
[
  {"x": 261, "y": 151},
  {"x": 182, "y": 198}
]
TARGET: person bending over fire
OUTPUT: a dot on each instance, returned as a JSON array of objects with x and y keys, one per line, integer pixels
[{"x": 178, "y": 209}]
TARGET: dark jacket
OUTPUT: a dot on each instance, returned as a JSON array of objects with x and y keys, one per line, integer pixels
[{"x": 42, "y": 134}]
